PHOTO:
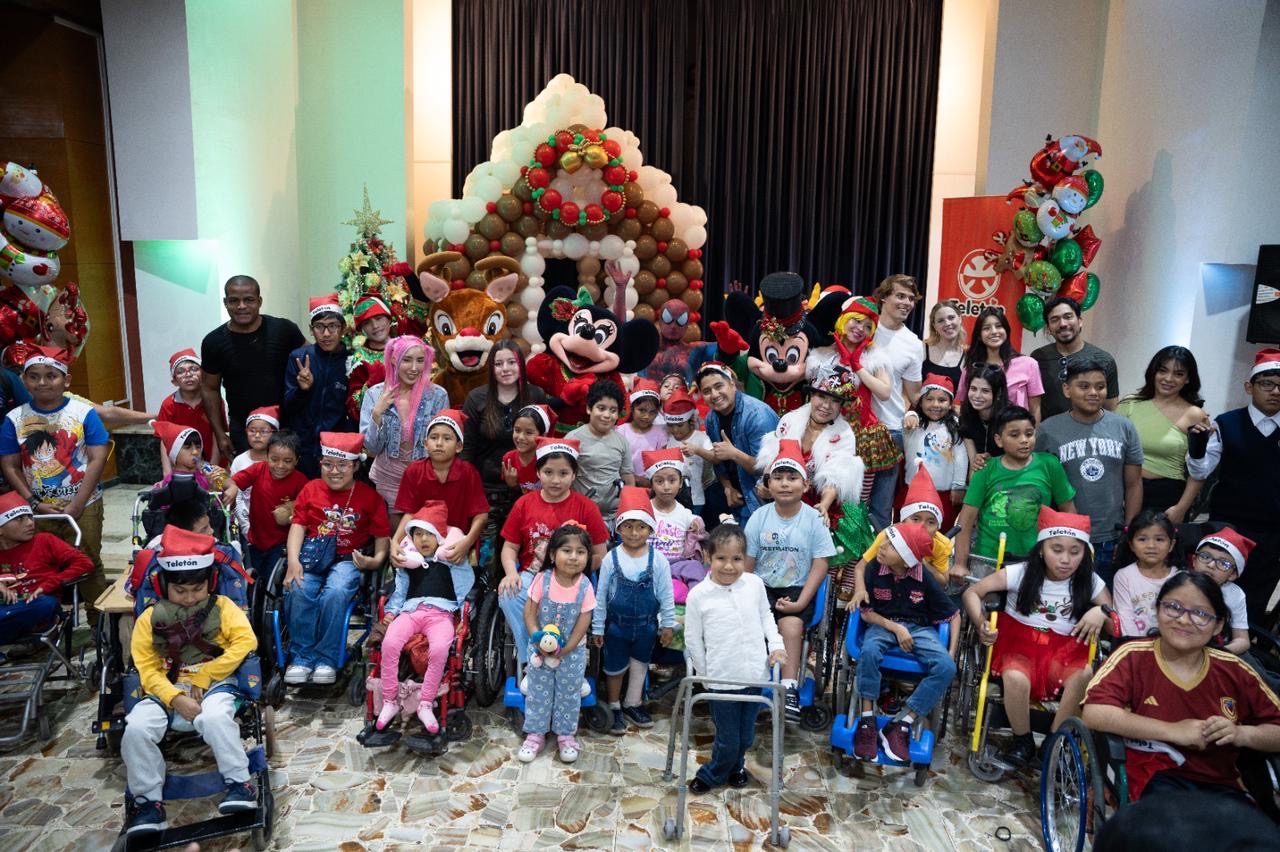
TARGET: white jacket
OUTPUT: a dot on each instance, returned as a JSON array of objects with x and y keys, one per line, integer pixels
[
  {"x": 729, "y": 631},
  {"x": 833, "y": 460}
]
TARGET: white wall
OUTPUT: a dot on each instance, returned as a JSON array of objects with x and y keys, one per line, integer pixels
[{"x": 429, "y": 122}]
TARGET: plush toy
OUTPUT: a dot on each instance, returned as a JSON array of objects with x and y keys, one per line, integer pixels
[
  {"x": 585, "y": 343},
  {"x": 545, "y": 647}
]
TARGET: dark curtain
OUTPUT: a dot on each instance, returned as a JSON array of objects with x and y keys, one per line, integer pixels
[{"x": 803, "y": 127}]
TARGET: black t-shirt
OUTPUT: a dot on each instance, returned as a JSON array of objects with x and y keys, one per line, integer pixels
[
  {"x": 484, "y": 452},
  {"x": 952, "y": 373},
  {"x": 982, "y": 433},
  {"x": 251, "y": 365}
]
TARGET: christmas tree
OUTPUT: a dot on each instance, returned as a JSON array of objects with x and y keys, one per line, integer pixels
[{"x": 370, "y": 268}]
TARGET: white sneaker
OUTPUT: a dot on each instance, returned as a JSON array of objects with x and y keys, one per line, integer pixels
[
  {"x": 586, "y": 689},
  {"x": 524, "y": 685},
  {"x": 295, "y": 675},
  {"x": 568, "y": 749},
  {"x": 324, "y": 674}
]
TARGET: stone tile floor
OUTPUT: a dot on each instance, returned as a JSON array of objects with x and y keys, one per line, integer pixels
[{"x": 332, "y": 793}]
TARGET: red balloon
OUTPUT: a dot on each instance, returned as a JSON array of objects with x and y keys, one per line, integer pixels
[
  {"x": 563, "y": 140},
  {"x": 695, "y": 317},
  {"x": 664, "y": 212},
  {"x": 695, "y": 253},
  {"x": 695, "y": 284},
  {"x": 662, "y": 283},
  {"x": 491, "y": 207},
  {"x": 1089, "y": 243},
  {"x": 495, "y": 245},
  {"x": 569, "y": 213},
  {"x": 662, "y": 248},
  {"x": 524, "y": 170},
  {"x": 614, "y": 175},
  {"x": 631, "y": 212},
  {"x": 612, "y": 201},
  {"x": 613, "y": 149},
  {"x": 545, "y": 154},
  {"x": 593, "y": 135},
  {"x": 595, "y": 214},
  {"x": 538, "y": 178},
  {"x": 550, "y": 200},
  {"x": 1075, "y": 287},
  {"x": 528, "y": 207}
]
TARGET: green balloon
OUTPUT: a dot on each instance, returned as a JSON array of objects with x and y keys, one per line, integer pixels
[
  {"x": 1094, "y": 181},
  {"x": 1043, "y": 277},
  {"x": 1067, "y": 256},
  {"x": 1025, "y": 228},
  {"x": 1091, "y": 292},
  {"x": 1031, "y": 312}
]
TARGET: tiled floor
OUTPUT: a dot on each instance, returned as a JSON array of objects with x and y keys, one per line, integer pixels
[{"x": 332, "y": 793}]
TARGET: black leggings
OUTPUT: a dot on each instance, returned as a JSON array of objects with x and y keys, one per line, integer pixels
[{"x": 1160, "y": 494}]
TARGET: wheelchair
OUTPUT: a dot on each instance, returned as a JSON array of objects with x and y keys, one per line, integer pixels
[
  {"x": 151, "y": 510},
  {"x": 23, "y": 683},
  {"x": 898, "y": 668}
]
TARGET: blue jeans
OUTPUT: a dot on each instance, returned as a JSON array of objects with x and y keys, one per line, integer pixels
[
  {"x": 20, "y": 620},
  {"x": 512, "y": 607},
  {"x": 883, "y": 489},
  {"x": 939, "y": 668},
  {"x": 735, "y": 723},
  {"x": 1104, "y": 554},
  {"x": 317, "y": 615},
  {"x": 262, "y": 561}
]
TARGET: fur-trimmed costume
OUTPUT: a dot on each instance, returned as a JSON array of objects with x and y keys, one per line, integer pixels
[{"x": 833, "y": 460}]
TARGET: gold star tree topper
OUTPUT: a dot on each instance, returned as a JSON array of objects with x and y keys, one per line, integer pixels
[{"x": 368, "y": 220}]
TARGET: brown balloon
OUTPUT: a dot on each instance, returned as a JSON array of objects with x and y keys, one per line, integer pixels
[
  {"x": 524, "y": 345},
  {"x": 659, "y": 265},
  {"x": 516, "y": 315},
  {"x": 522, "y": 190},
  {"x": 458, "y": 269},
  {"x": 491, "y": 226},
  {"x": 578, "y": 128},
  {"x": 692, "y": 298},
  {"x": 657, "y": 298},
  {"x": 476, "y": 247},
  {"x": 646, "y": 247},
  {"x": 528, "y": 226},
  {"x": 558, "y": 230},
  {"x": 596, "y": 232},
  {"x": 633, "y": 194},
  {"x": 630, "y": 229},
  {"x": 593, "y": 288},
  {"x": 428, "y": 247},
  {"x": 663, "y": 230},
  {"x": 677, "y": 250},
  {"x": 692, "y": 269},
  {"x": 477, "y": 280},
  {"x": 512, "y": 244},
  {"x": 589, "y": 265},
  {"x": 677, "y": 285},
  {"x": 644, "y": 282},
  {"x": 510, "y": 208},
  {"x": 692, "y": 334},
  {"x": 645, "y": 312},
  {"x": 646, "y": 212}
]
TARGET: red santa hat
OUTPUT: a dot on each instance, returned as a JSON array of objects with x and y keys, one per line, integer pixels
[
  {"x": 911, "y": 541},
  {"x": 1266, "y": 361},
  {"x": 12, "y": 505},
  {"x": 634, "y": 505},
  {"x": 324, "y": 305},
  {"x": 186, "y": 355},
  {"x": 183, "y": 550},
  {"x": 1233, "y": 543},
  {"x": 935, "y": 382},
  {"x": 791, "y": 457},
  {"x": 543, "y": 415},
  {"x": 547, "y": 446},
  {"x": 679, "y": 407},
  {"x": 655, "y": 460},
  {"x": 370, "y": 307},
  {"x": 172, "y": 436},
  {"x": 432, "y": 517},
  {"x": 341, "y": 445},
  {"x": 645, "y": 388},
  {"x": 922, "y": 496},
  {"x": 451, "y": 417},
  {"x": 58, "y": 359},
  {"x": 1065, "y": 524},
  {"x": 269, "y": 414}
]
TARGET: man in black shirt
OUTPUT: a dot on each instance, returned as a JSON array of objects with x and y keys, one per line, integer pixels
[{"x": 248, "y": 354}]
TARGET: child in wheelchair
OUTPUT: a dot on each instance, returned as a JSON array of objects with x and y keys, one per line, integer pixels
[
  {"x": 34, "y": 566},
  {"x": 187, "y": 647},
  {"x": 273, "y": 486},
  {"x": 1055, "y": 608},
  {"x": 426, "y": 597},
  {"x": 182, "y": 445},
  {"x": 1150, "y": 540},
  {"x": 904, "y": 607},
  {"x": 1221, "y": 556}
]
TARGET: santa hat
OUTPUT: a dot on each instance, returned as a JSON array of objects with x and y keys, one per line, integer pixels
[
  {"x": 183, "y": 550},
  {"x": 451, "y": 417},
  {"x": 790, "y": 456},
  {"x": 324, "y": 305},
  {"x": 370, "y": 307},
  {"x": 432, "y": 517},
  {"x": 12, "y": 505},
  {"x": 715, "y": 367},
  {"x": 911, "y": 541},
  {"x": 1055, "y": 524},
  {"x": 58, "y": 359},
  {"x": 922, "y": 496},
  {"x": 679, "y": 407},
  {"x": 543, "y": 415},
  {"x": 547, "y": 446},
  {"x": 1233, "y": 543},
  {"x": 645, "y": 388},
  {"x": 656, "y": 460},
  {"x": 634, "y": 505},
  {"x": 935, "y": 382},
  {"x": 172, "y": 436},
  {"x": 341, "y": 445},
  {"x": 1266, "y": 361},
  {"x": 859, "y": 307},
  {"x": 269, "y": 414},
  {"x": 177, "y": 358}
]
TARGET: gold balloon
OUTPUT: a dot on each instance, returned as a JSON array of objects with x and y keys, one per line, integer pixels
[
  {"x": 516, "y": 315},
  {"x": 693, "y": 333},
  {"x": 589, "y": 265},
  {"x": 645, "y": 312},
  {"x": 528, "y": 226},
  {"x": 512, "y": 244},
  {"x": 677, "y": 284},
  {"x": 491, "y": 226},
  {"x": 457, "y": 270},
  {"x": 657, "y": 298},
  {"x": 644, "y": 282},
  {"x": 677, "y": 250},
  {"x": 477, "y": 280},
  {"x": 476, "y": 247},
  {"x": 659, "y": 265},
  {"x": 558, "y": 230},
  {"x": 570, "y": 161},
  {"x": 522, "y": 190},
  {"x": 663, "y": 230},
  {"x": 646, "y": 247},
  {"x": 630, "y": 229},
  {"x": 578, "y": 128},
  {"x": 595, "y": 232},
  {"x": 596, "y": 157},
  {"x": 428, "y": 247},
  {"x": 692, "y": 298},
  {"x": 510, "y": 208},
  {"x": 525, "y": 348},
  {"x": 594, "y": 289},
  {"x": 691, "y": 268},
  {"x": 634, "y": 194},
  {"x": 646, "y": 212}
]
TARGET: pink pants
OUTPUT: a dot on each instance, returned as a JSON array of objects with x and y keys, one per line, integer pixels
[{"x": 437, "y": 626}]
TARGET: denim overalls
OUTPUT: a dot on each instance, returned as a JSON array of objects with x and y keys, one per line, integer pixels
[
  {"x": 555, "y": 695},
  {"x": 631, "y": 621}
]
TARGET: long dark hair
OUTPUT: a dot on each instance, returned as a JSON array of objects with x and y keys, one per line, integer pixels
[
  {"x": 1181, "y": 356},
  {"x": 1033, "y": 579},
  {"x": 1149, "y": 518},
  {"x": 492, "y": 423},
  {"x": 1207, "y": 587},
  {"x": 978, "y": 350},
  {"x": 993, "y": 375},
  {"x": 949, "y": 419}
]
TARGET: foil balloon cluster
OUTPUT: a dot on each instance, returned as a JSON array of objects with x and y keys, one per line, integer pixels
[
  {"x": 564, "y": 184},
  {"x": 1046, "y": 247}
]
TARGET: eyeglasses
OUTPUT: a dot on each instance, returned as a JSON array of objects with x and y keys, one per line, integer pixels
[
  {"x": 1199, "y": 617},
  {"x": 257, "y": 433},
  {"x": 327, "y": 327},
  {"x": 1266, "y": 385},
  {"x": 1224, "y": 565},
  {"x": 191, "y": 370},
  {"x": 337, "y": 466}
]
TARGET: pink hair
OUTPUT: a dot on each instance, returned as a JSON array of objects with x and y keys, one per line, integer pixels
[{"x": 395, "y": 351}]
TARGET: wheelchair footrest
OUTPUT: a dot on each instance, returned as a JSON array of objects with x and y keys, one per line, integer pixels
[
  {"x": 197, "y": 832},
  {"x": 371, "y": 737},
  {"x": 920, "y": 751},
  {"x": 513, "y": 697}
]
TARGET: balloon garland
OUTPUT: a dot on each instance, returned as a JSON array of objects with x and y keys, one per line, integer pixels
[{"x": 570, "y": 151}]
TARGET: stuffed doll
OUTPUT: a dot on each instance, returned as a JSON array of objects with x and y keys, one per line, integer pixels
[{"x": 546, "y": 645}]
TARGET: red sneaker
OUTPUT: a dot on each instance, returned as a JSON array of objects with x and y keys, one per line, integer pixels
[
  {"x": 895, "y": 738},
  {"x": 864, "y": 739}
]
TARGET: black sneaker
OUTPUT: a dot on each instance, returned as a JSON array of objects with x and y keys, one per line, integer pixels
[
  {"x": 240, "y": 797},
  {"x": 148, "y": 818},
  {"x": 740, "y": 779},
  {"x": 619, "y": 725},
  {"x": 637, "y": 716},
  {"x": 698, "y": 786},
  {"x": 1020, "y": 754},
  {"x": 793, "y": 705}
]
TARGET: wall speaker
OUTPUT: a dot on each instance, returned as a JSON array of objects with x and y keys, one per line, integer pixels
[{"x": 1264, "y": 310}]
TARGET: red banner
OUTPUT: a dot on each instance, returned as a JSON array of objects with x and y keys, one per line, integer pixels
[{"x": 964, "y": 273}]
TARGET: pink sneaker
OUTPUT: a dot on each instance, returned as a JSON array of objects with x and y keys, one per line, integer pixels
[
  {"x": 390, "y": 710},
  {"x": 568, "y": 748},
  {"x": 530, "y": 748},
  {"x": 428, "y": 718}
]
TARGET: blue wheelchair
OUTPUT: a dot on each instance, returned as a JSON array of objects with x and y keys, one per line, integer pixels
[{"x": 898, "y": 667}]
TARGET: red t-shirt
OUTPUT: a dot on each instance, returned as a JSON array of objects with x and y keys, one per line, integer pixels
[
  {"x": 356, "y": 515},
  {"x": 1134, "y": 678},
  {"x": 264, "y": 532},
  {"x": 44, "y": 563},
  {"x": 533, "y": 520},
  {"x": 462, "y": 490},
  {"x": 174, "y": 410},
  {"x": 526, "y": 474}
]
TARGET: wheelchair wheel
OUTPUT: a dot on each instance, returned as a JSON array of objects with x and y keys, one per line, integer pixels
[
  {"x": 459, "y": 727},
  {"x": 488, "y": 650},
  {"x": 261, "y": 837},
  {"x": 356, "y": 685},
  {"x": 1065, "y": 788},
  {"x": 269, "y": 731},
  {"x": 599, "y": 718},
  {"x": 983, "y": 768},
  {"x": 815, "y": 717}
]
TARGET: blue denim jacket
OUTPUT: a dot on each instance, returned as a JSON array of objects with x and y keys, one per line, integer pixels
[
  {"x": 385, "y": 439},
  {"x": 752, "y": 420},
  {"x": 662, "y": 590}
]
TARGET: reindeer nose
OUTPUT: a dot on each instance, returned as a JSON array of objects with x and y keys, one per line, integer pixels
[{"x": 469, "y": 331}]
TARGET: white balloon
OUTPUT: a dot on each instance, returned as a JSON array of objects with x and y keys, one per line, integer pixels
[
  {"x": 456, "y": 230},
  {"x": 610, "y": 290},
  {"x": 699, "y": 215},
  {"x": 696, "y": 237},
  {"x": 439, "y": 209},
  {"x": 665, "y": 196},
  {"x": 575, "y": 246},
  {"x": 434, "y": 229},
  {"x": 557, "y": 248},
  {"x": 506, "y": 171},
  {"x": 529, "y": 331},
  {"x": 536, "y": 281},
  {"x": 532, "y": 264},
  {"x": 611, "y": 247},
  {"x": 471, "y": 208},
  {"x": 544, "y": 246},
  {"x": 630, "y": 264},
  {"x": 489, "y": 188},
  {"x": 531, "y": 297},
  {"x": 531, "y": 243},
  {"x": 633, "y": 298},
  {"x": 455, "y": 210},
  {"x": 594, "y": 248}
]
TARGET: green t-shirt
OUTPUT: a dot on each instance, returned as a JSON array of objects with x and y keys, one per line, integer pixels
[{"x": 1009, "y": 501}]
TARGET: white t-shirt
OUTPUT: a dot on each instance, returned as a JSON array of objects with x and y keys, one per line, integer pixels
[
  {"x": 700, "y": 476},
  {"x": 1234, "y": 596},
  {"x": 1053, "y": 610},
  {"x": 1135, "y": 598},
  {"x": 671, "y": 530},
  {"x": 901, "y": 353}
]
